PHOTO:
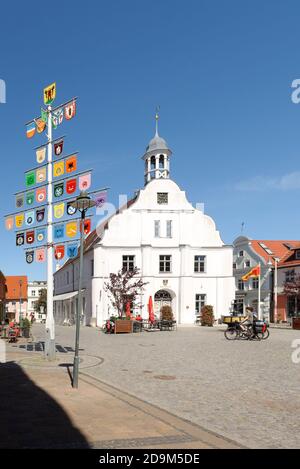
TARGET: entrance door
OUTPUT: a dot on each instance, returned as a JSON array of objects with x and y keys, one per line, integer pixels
[{"x": 161, "y": 298}]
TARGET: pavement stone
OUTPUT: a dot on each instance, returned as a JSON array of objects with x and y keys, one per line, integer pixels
[
  {"x": 247, "y": 391},
  {"x": 49, "y": 413}
]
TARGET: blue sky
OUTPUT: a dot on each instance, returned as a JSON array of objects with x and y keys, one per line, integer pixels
[{"x": 221, "y": 72}]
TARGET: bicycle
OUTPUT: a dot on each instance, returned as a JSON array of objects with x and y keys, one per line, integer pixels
[{"x": 236, "y": 332}]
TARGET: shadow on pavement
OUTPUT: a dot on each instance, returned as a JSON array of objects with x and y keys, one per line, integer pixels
[{"x": 31, "y": 418}]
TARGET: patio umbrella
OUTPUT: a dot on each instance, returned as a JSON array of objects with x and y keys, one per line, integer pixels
[
  {"x": 128, "y": 313},
  {"x": 150, "y": 310}
]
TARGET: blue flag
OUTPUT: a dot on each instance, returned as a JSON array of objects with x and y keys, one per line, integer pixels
[
  {"x": 72, "y": 250},
  {"x": 41, "y": 235},
  {"x": 59, "y": 231}
]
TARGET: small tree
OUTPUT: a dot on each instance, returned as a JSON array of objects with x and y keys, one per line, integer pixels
[
  {"x": 42, "y": 301},
  {"x": 207, "y": 315},
  {"x": 124, "y": 286}
]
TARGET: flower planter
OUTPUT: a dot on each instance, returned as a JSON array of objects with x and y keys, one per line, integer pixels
[
  {"x": 26, "y": 333},
  {"x": 296, "y": 323},
  {"x": 123, "y": 326}
]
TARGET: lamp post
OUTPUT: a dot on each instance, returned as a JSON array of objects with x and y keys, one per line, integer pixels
[
  {"x": 20, "y": 312},
  {"x": 270, "y": 264},
  {"x": 82, "y": 203}
]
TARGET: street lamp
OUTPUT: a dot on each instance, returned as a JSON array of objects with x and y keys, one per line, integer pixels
[
  {"x": 270, "y": 264},
  {"x": 20, "y": 313},
  {"x": 276, "y": 260},
  {"x": 82, "y": 203}
]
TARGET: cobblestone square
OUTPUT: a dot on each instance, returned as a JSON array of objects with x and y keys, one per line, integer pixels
[{"x": 247, "y": 391}]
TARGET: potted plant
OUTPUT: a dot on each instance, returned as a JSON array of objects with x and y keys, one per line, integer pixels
[
  {"x": 123, "y": 287},
  {"x": 207, "y": 315},
  {"x": 166, "y": 313}
]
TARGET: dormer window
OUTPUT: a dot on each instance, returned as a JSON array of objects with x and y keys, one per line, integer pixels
[{"x": 298, "y": 254}]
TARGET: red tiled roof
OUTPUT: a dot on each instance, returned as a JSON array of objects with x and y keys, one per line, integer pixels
[
  {"x": 279, "y": 248},
  {"x": 289, "y": 259},
  {"x": 14, "y": 289},
  {"x": 293, "y": 263}
]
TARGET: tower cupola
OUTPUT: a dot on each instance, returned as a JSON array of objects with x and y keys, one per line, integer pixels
[{"x": 157, "y": 157}]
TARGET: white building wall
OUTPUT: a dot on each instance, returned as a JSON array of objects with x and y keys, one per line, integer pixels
[
  {"x": 132, "y": 233},
  {"x": 249, "y": 294},
  {"x": 33, "y": 292}
]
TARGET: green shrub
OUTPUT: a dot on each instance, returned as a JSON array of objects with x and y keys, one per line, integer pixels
[{"x": 26, "y": 324}]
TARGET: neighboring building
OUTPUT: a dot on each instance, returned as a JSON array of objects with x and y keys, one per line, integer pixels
[
  {"x": 246, "y": 255},
  {"x": 176, "y": 246},
  {"x": 33, "y": 291},
  {"x": 2, "y": 296},
  {"x": 288, "y": 304},
  {"x": 16, "y": 296}
]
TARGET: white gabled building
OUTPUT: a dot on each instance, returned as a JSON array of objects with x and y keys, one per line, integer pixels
[
  {"x": 34, "y": 289},
  {"x": 177, "y": 248}
]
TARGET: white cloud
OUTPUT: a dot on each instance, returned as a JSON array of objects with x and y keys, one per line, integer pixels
[{"x": 287, "y": 182}]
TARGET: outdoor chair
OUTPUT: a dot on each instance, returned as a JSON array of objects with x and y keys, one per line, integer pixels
[
  {"x": 150, "y": 326},
  {"x": 137, "y": 326},
  {"x": 167, "y": 325},
  {"x": 198, "y": 319}
]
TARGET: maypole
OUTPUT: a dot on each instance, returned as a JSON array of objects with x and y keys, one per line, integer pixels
[
  {"x": 46, "y": 185},
  {"x": 50, "y": 325}
]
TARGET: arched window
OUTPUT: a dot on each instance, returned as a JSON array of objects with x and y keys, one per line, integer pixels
[
  {"x": 161, "y": 162},
  {"x": 152, "y": 162},
  {"x": 162, "y": 295}
]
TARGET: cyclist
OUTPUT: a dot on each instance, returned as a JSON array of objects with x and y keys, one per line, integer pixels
[{"x": 247, "y": 323}]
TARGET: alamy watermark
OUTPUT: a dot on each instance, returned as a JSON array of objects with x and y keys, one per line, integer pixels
[
  {"x": 296, "y": 353},
  {"x": 108, "y": 209},
  {"x": 2, "y": 92}
]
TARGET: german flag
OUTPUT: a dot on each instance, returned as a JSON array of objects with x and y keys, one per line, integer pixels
[{"x": 255, "y": 272}]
